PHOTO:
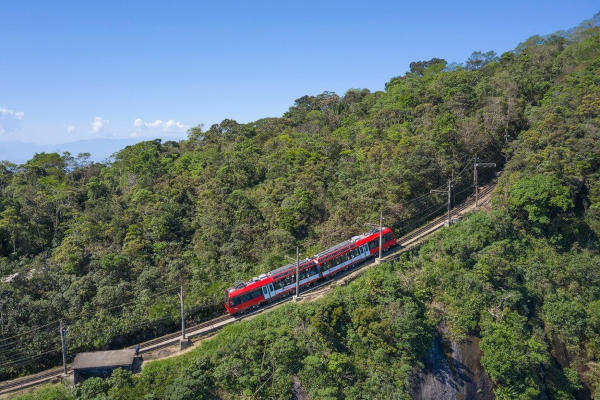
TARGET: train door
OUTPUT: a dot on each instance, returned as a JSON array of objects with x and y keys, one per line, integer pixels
[
  {"x": 364, "y": 249},
  {"x": 268, "y": 291}
]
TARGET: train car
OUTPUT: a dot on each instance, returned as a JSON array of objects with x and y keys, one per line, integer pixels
[
  {"x": 340, "y": 257},
  {"x": 388, "y": 240},
  {"x": 282, "y": 281},
  {"x": 268, "y": 287},
  {"x": 354, "y": 251}
]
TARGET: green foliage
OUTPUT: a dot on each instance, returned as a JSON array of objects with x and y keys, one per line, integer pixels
[
  {"x": 512, "y": 357},
  {"x": 91, "y": 389},
  {"x": 565, "y": 317},
  {"x": 540, "y": 197},
  {"x": 48, "y": 392}
]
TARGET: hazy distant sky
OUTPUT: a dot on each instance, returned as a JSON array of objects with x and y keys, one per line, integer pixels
[{"x": 87, "y": 69}]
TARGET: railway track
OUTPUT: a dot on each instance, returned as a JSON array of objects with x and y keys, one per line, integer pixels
[
  {"x": 405, "y": 242},
  {"x": 417, "y": 233},
  {"x": 31, "y": 380}
]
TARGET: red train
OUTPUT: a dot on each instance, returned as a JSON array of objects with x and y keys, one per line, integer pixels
[{"x": 282, "y": 281}]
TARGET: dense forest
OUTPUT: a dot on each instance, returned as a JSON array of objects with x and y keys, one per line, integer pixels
[{"x": 105, "y": 246}]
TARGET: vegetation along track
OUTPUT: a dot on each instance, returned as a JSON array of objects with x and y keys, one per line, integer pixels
[{"x": 405, "y": 242}]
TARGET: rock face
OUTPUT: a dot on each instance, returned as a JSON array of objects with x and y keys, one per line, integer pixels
[{"x": 453, "y": 371}]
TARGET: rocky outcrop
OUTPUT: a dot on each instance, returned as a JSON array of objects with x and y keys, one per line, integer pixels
[{"x": 453, "y": 371}]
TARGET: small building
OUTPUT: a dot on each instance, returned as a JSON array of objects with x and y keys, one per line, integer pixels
[{"x": 101, "y": 363}]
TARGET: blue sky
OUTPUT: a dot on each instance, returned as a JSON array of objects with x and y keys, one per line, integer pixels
[{"x": 79, "y": 70}]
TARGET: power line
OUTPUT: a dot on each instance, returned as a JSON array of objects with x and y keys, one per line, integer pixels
[
  {"x": 30, "y": 330},
  {"x": 30, "y": 357}
]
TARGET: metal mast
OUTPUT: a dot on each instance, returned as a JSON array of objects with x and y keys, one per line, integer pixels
[
  {"x": 297, "y": 271},
  {"x": 63, "y": 343},
  {"x": 380, "y": 233}
]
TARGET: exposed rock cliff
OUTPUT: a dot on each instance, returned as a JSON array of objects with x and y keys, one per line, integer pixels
[{"x": 453, "y": 371}]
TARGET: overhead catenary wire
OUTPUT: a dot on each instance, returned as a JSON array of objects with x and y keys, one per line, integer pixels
[
  {"x": 165, "y": 291},
  {"x": 418, "y": 218},
  {"x": 9, "y": 349},
  {"x": 21, "y": 334},
  {"x": 27, "y": 345},
  {"x": 30, "y": 357},
  {"x": 21, "y": 346},
  {"x": 440, "y": 208},
  {"x": 464, "y": 169}
]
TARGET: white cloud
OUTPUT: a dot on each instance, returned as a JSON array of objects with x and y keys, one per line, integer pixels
[
  {"x": 5, "y": 113},
  {"x": 9, "y": 120},
  {"x": 143, "y": 127},
  {"x": 99, "y": 124},
  {"x": 70, "y": 128},
  {"x": 170, "y": 123}
]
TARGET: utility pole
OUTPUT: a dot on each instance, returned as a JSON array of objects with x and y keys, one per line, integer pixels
[
  {"x": 63, "y": 343},
  {"x": 2, "y": 323},
  {"x": 475, "y": 180},
  {"x": 449, "y": 199},
  {"x": 380, "y": 232},
  {"x": 449, "y": 190},
  {"x": 297, "y": 271},
  {"x": 477, "y": 164},
  {"x": 181, "y": 302},
  {"x": 183, "y": 343}
]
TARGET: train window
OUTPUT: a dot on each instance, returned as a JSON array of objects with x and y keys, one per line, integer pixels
[
  {"x": 373, "y": 244},
  {"x": 304, "y": 274},
  {"x": 279, "y": 284}
]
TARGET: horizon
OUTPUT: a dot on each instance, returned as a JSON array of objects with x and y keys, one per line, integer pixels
[{"x": 80, "y": 72}]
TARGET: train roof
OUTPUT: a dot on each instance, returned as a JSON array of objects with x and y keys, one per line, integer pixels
[
  {"x": 288, "y": 266},
  {"x": 348, "y": 242},
  {"x": 251, "y": 283},
  {"x": 334, "y": 248}
]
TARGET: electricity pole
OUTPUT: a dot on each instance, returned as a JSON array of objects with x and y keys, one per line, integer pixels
[
  {"x": 449, "y": 199},
  {"x": 181, "y": 302},
  {"x": 183, "y": 343},
  {"x": 477, "y": 164},
  {"x": 475, "y": 181},
  {"x": 380, "y": 232},
  {"x": 63, "y": 343},
  {"x": 449, "y": 190},
  {"x": 2, "y": 323},
  {"x": 297, "y": 271}
]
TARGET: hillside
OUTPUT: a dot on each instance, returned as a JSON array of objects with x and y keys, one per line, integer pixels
[{"x": 105, "y": 245}]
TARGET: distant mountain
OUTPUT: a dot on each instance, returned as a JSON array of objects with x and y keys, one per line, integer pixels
[
  {"x": 575, "y": 32},
  {"x": 100, "y": 149}
]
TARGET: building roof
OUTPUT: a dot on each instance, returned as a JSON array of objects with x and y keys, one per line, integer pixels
[{"x": 111, "y": 358}]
